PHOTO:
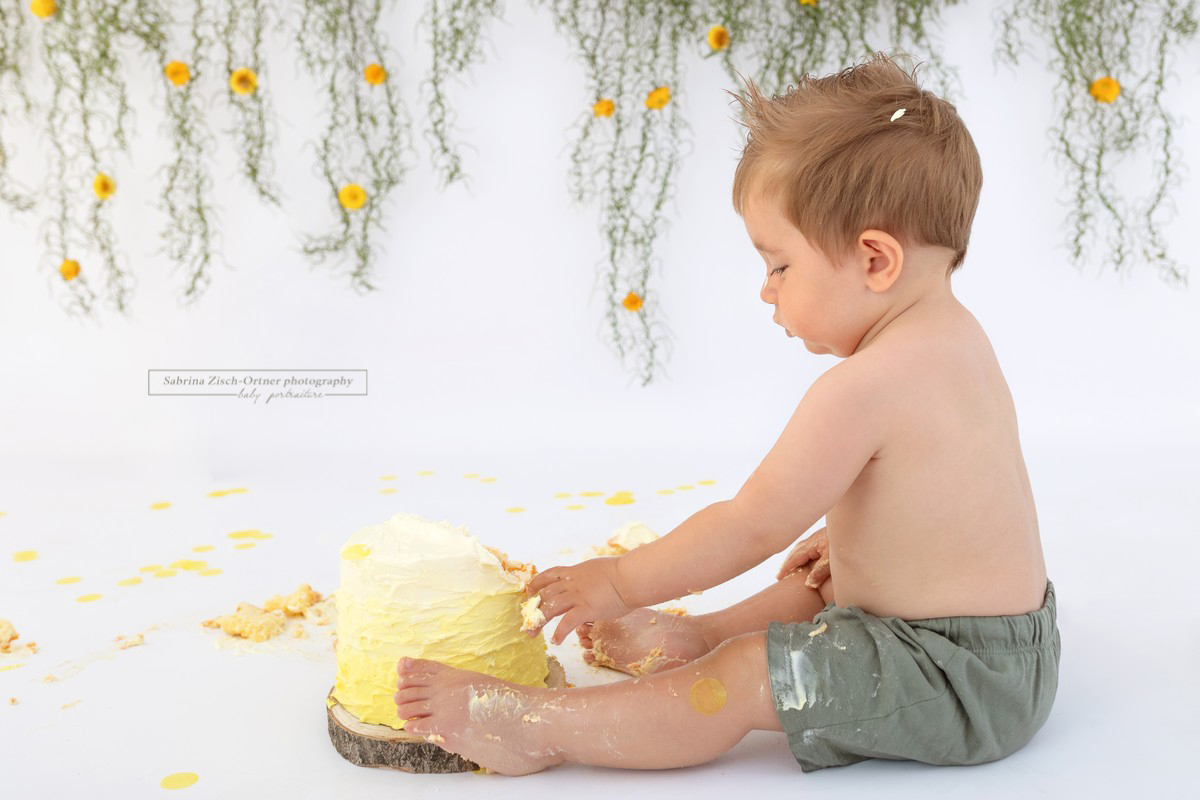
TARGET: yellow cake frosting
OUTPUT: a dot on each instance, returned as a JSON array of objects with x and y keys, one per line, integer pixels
[{"x": 411, "y": 587}]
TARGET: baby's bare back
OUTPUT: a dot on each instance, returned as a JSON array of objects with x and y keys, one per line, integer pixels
[{"x": 941, "y": 522}]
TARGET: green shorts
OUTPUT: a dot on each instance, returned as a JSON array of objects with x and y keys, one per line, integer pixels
[{"x": 948, "y": 690}]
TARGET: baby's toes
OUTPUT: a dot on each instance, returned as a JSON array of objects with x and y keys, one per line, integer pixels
[{"x": 589, "y": 656}]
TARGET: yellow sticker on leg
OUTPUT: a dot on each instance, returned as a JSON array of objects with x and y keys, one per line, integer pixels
[{"x": 708, "y": 695}]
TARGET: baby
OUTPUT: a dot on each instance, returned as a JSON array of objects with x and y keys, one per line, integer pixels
[{"x": 934, "y": 636}]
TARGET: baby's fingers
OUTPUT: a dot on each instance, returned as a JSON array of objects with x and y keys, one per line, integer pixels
[
  {"x": 571, "y": 620},
  {"x": 818, "y": 574}
]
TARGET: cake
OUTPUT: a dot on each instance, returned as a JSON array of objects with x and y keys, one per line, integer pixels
[{"x": 411, "y": 587}]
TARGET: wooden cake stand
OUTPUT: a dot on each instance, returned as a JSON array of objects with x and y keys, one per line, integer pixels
[{"x": 370, "y": 745}]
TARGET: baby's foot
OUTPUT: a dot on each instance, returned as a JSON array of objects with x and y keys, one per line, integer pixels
[
  {"x": 643, "y": 641},
  {"x": 481, "y": 718}
]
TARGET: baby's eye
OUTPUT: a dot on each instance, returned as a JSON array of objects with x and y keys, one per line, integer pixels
[{"x": 778, "y": 269}]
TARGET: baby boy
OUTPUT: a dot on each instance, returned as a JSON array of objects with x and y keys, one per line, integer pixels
[{"x": 919, "y": 622}]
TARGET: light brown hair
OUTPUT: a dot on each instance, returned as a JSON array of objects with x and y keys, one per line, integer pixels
[{"x": 830, "y": 154}]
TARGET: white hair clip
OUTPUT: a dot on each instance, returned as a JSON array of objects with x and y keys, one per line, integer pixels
[{"x": 899, "y": 113}]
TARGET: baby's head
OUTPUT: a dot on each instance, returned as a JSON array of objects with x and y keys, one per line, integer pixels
[{"x": 860, "y": 210}]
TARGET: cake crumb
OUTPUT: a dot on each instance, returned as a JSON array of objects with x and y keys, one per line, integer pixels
[
  {"x": 249, "y": 622},
  {"x": 296, "y": 603},
  {"x": 72, "y": 703},
  {"x": 49, "y": 679},
  {"x": 678, "y": 611},
  {"x": 33, "y": 648},
  {"x": 818, "y": 631},
  {"x": 298, "y": 632},
  {"x": 436, "y": 738},
  {"x": 12, "y": 701},
  {"x": 532, "y": 617},
  {"x": 8, "y": 634},
  {"x": 126, "y": 642}
]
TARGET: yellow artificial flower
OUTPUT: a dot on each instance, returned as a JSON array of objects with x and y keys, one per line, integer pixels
[
  {"x": 603, "y": 108},
  {"x": 103, "y": 186},
  {"x": 69, "y": 268},
  {"x": 808, "y": 2},
  {"x": 177, "y": 73},
  {"x": 375, "y": 74},
  {"x": 1105, "y": 89},
  {"x": 632, "y": 302},
  {"x": 658, "y": 98},
  {"x": 352, "y": 196},
  {"x": 718, "y": 37},
  {"x": 43, "y": 8},
  {"x": 243, "y": 81}
]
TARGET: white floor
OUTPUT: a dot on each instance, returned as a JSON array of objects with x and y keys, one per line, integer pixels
[{"x": 1119, "y": 529}]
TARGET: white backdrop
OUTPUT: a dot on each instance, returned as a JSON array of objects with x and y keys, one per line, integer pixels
[{"x": 486, "y": 341}]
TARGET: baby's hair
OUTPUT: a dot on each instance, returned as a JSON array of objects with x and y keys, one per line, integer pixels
[{"x": 836, "y": 158}]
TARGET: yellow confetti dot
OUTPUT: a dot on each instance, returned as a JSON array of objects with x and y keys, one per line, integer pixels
[
  {"x": 87, "y": 598},
  {"x": 245, "y": 545},
  {"x": 706, "y": 483},
  {"x": 129, "y": 582},
  {"x": 562, "y": 494},
  {"x": 685, "y": 487},
  {"x": 179, "y": 780},
  {"x": 252, "y": 533},
  {"x": 25, "y": 555},
  {"x": 387, "y": 491},
  {"x": 514, "y": 509},
  {"x": 208, "y": 572},
  {"x": 188, "y": 564},
  {"x": 618, "y": 500},
  {"x": 707, "y": 695},
  {"x": 666, "y": 491},
  {"x": 471, "y": 475},
  {"x": 150, "y": 568},
  {"x": 7, "y": 667},
  {"x": 68, "y": 579},
  {"x": 591, "y": 494},
  {"x": 425, "y": 472},
  {"x": 159, "y": 506},
  {"x": 202, "y": 548},
  {"x": 575, "y": 507},
  {"x": 165, "y": 573},
  {"x": 487, "y": 480},
  {"x": 387, "y": 477},
  {"x": 356, "y": 552},
  {"x": 223, "y": 492}
]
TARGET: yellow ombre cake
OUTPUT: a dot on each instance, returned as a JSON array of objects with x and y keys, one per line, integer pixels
[{"x": 411, "y": 587}]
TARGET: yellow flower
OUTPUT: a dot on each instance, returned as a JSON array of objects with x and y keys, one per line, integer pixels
[
  {"x": 718, "y": 37},
  {"x": 177, "y": 73},
  {"x": 69, "y": 268},
  {"x": 43, "y": 8},
  {"x": 658, "y": 98},
  {"x": 603, "y": 108},
  {"x": 808, "y": 2},
  {"x": 374, "y": 74},
  {"x": 243, "y": 81},
  {"x": 1105, "y": 89},
  {"x": 352, "y": 196},
  {"x": 632, "y": 302},
  {"x": 103, "y": 186}
]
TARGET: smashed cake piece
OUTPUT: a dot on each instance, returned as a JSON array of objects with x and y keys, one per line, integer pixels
[
  {"x": 250, "y": 622},
  {"x": 8, "y": 634},
  {"x": 627, "y": 537},
  {"x": 532, "y": 617},
  {"x": 678, "y": 611},
  {"x": 295, "y": 604},
  {"x": 522, "y": 570}
]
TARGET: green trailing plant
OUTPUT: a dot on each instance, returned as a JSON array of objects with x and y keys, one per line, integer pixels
[
  {"x": 14, "y": 38},
  {"x": 360, "y": 154},
  {"x": 1108, "y": 106}
]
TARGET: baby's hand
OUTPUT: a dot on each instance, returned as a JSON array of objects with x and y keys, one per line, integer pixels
[
  {"x": 814, "y": 547},
  {"x": 585, "y": 592}
]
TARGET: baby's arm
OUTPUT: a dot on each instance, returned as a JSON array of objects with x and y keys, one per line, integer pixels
[{"x": 836, "y": 429}]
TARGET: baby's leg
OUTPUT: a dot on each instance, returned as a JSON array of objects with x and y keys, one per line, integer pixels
[
  {"x": 682, "y": 716},
  {"x": 646, "y": 641}
]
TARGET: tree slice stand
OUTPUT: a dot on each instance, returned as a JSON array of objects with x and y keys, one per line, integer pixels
[{"x": 369, "y": 745}]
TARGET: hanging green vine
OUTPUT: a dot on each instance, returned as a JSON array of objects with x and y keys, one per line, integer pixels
[
  {"x": 14, "y": 36},
  {"x": 248, "y": 94},
  {"x": 454, "y": 28},
  {"x": 1107, "y": 106},
  {"x": 361, "y": 151},
  {"x": 628, "y": 135}
]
